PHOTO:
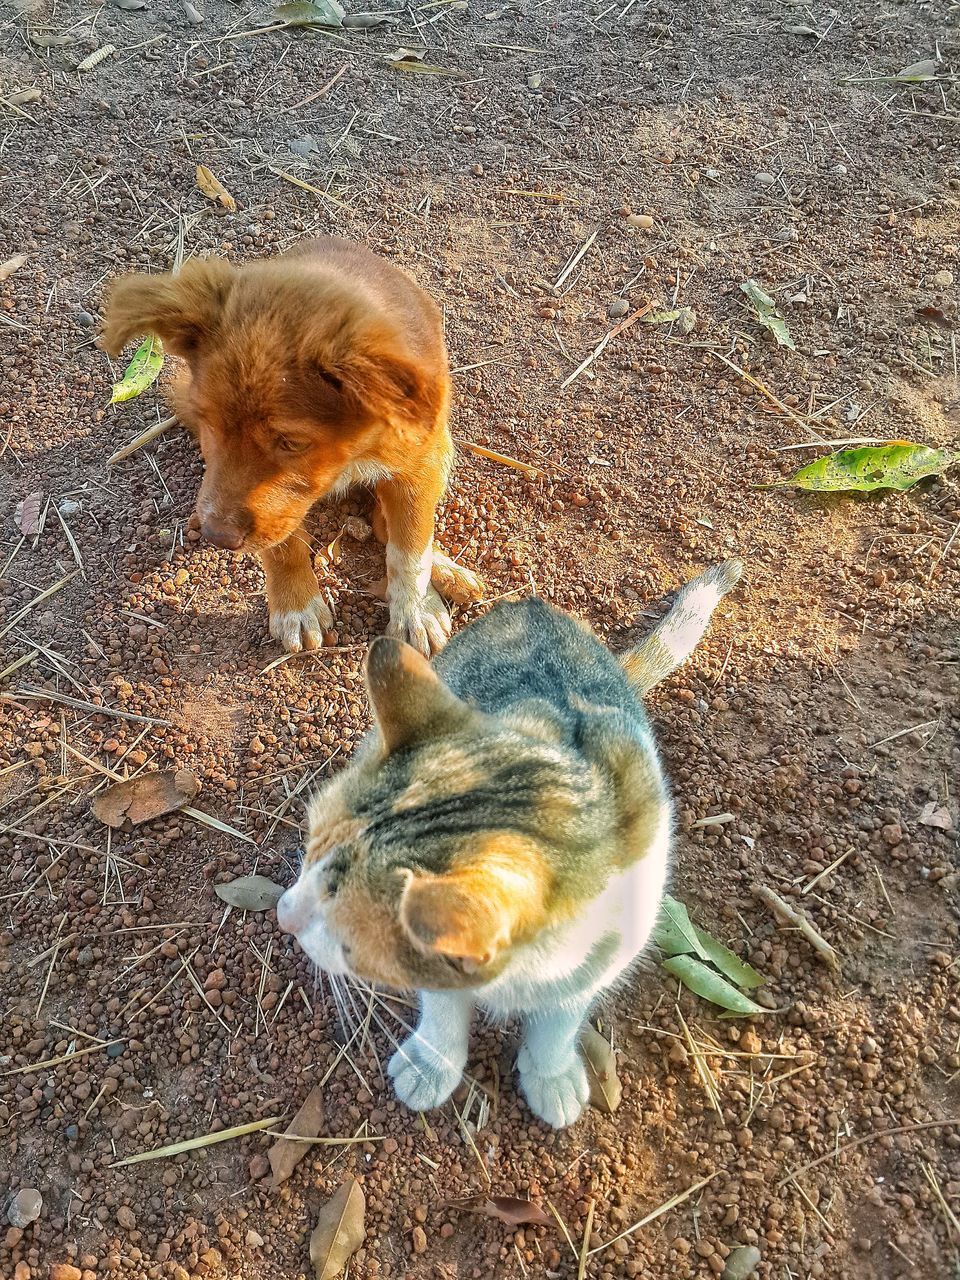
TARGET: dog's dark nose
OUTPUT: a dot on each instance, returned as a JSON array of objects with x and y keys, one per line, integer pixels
[{"x": 223, "y": 533}]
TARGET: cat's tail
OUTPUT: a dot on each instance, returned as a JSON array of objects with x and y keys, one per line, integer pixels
[{"x": 675, "y": 638}]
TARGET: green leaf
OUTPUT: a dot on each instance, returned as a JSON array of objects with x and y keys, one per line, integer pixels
[
  {"x": 142, "y": 371},
  {"x": 708, "y": 984},
  {"x": 675, "y": 933},
  {"x": 767, "y": 313},
  {"x": 728, "y": 962},
  {"x": 917, "y": 72},
  {"x": 897, "y": 465},
  {"x": 310, "y": 13},
  {"x": 661, "y": 317}
]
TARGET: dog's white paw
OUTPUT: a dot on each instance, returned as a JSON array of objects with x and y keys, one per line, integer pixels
[
  {"x": 422, "y": 1077},
  {"x": 422, "y": 621},
  {"x": 557, "y": 1099},
  {"x": 298, "y": 629},
  {"x": 454, "y": 581}
]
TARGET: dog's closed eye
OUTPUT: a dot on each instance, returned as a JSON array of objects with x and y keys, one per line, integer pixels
[{"x": 289, "y": 446}]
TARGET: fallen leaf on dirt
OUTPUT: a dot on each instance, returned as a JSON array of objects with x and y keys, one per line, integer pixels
[
  {"x": 728, "y": 962},
  {"x": 250, "y": 893},
  {"x": 339, "y": 1232},
  {"x": 368, "y": 21},
  {"x": 937, "y": 315},
  {"x": 23, "y": 96},
  {"x": 661, "y": 317},
  {"x": 149, "y": 795},
  {"x": 28, "y": 513},
  {"x": 310, "y": 13},
  {"x": 800, "y": 29},
  {"x": 917, "y": 72},
  {"x": 675, "y": 933},
  {"x": 286, "y": 1154},
  {"x": 12, "y": 264},
  {"x": 934, "y": 815},
  {"x": 601, "y": 1063},
  {"x": 766, "y": 312},
  {"x": 49, "y": 39},
  {"x": 509, "y": 1209},
  {"x": 412, "y": 60},
  {"x": 897, "y": 465},
  {"x": 130, "y": 4},
  {"x": 213, "y": 188},
  {"x": 708, "y": 984},
  {"x": 142, "y": 371}
]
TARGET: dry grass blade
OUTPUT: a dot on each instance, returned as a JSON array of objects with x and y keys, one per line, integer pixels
[
  {"x": 941, "y": 1199},
  {"x": 604, "y": 342},
  {"x": 209, "y": 821},
  {"x": 44, "y": 595},
  {"x": 79, "y": 704},
  {"x": 492, "y": 456},
  {"x": 768, "y": 395},
  {"x": 707, "y": 1078},
  {"x": 55, "y": 1062},
  {"x": 585, "y": 1249},
  {"x": 193, "y": 1144},
  {"x": 144, "y": 438},
  {"x": 797, "y": 918},
  {"x": 862, "y": 1142},
  {"x": 656, "y": 1213}
]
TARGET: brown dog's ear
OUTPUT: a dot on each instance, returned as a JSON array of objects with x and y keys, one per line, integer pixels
[
  {"x": 480, "y": 906},
  {"x": 411, "y": 702},
  {"x": 386, "y": 382},
  {"x": 182, "y": 310}
]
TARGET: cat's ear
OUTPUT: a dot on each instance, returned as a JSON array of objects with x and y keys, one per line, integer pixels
[
  {"x": 479, "y": 907},
  {"x": 411, "y": 702}
]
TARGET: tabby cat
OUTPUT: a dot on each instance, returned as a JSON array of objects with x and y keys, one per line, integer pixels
[{"x": 502, "y": 837}]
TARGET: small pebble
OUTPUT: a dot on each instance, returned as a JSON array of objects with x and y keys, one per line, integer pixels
[
  {"x": 741, "y": 1263},
  {"x": 357, "y": 529},
  {"x": 766, "y": 179},
  {"x": 68, "y": 507},
  {"x": 618, "y": 307},
  {"x": 85, "y": 320},
  {"x": 641, "y": 220},
  {"x": 25, "y": 1207},
  {"x": 942, "y": 279},
  {"x": 193, "y": 13}
]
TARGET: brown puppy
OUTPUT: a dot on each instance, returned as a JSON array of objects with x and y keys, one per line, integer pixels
[{"x": 306, "y": 374}]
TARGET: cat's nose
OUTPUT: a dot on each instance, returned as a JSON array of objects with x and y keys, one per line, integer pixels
[{"x": 288, "y": 911}]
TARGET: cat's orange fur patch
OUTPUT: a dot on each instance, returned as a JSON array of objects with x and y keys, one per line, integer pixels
[
  {"x": 493, "y": 896},
  {"x": 329, "y": 822}
]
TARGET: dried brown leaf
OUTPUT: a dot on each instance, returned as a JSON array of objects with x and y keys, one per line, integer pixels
[
  {"x": 286, "y": 1154},
  {"x": 213, "y": 188},
  {"x": 339, "y": 1232},
  {"x": 934, "y": 815},
  {"x": 15, "y": 263},
  {"x": 28, "y": 513},
  {"x": 250, "y": 893},
  {"x": 508, "y": 1209},
  {"x": 601, "y": 1063},
  {"x": 149, "y": 795}
]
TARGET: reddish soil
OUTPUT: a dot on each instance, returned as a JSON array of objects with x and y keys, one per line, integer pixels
[{"x": 754, "y": 139}]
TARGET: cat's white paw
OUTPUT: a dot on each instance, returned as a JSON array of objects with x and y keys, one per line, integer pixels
[
  {"x": 422, "y": 1077},
  {"x": 422, "y": 621},
  {"x": 559, "y": 1098}
]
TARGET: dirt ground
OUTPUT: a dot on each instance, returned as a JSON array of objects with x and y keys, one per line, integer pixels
[{"x": 679, "y": 147}]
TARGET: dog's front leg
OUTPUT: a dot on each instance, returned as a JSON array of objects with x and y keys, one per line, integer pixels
[
  {"x": 299, "y": 614},
  {"x": 417, "y": 614}
]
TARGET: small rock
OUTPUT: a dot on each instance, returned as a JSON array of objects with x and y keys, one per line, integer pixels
[
  {"x": 126, "y": 1218},
  {"x": 641, "y": 220},
  {"x": 254, "y": 1239},
  {"x": 193, "y": 13},
  {"x": 216, "y": 980},
  {"x": 712, "y": 174},
  {"x": 942, "y": 279},
  {"x": 840, "y": 169},
  {"x": 357, "y": 529},
  {"x": 390, "y": 1145},
  {"x": 678, "y": 1054},
  {"x": 750, "y": 1042},
  {"x": 419, "y": 1238},
  {"x": 258, "y": 1168},
  {"x": 766, "y": 179},
  {"x": 704, "y": 1248},
  {"x": 304, "y": 147},
  {"x": 85, "y": 320},
  {"x": 685, "y": 322},
  {"x": 68, "y": 507},
  {"x": 534, "y": 80},
  {"x": 742, "y": 1262},
  {"x": 21, "y": 1271},
  {"x": 618, "y": 307},
  {"x": 25, "y": 1207},
  {"x": 787, "y": 235},
  {"x": 893, "y": 833},
  {"x": 64, "y": 1271}
]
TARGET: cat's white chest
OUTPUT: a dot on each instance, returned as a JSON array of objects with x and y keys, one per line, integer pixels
[{"x": 574, "y": 963}]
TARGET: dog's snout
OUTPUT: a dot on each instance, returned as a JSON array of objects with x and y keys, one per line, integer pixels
[{"x": 223, "y": 532}]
